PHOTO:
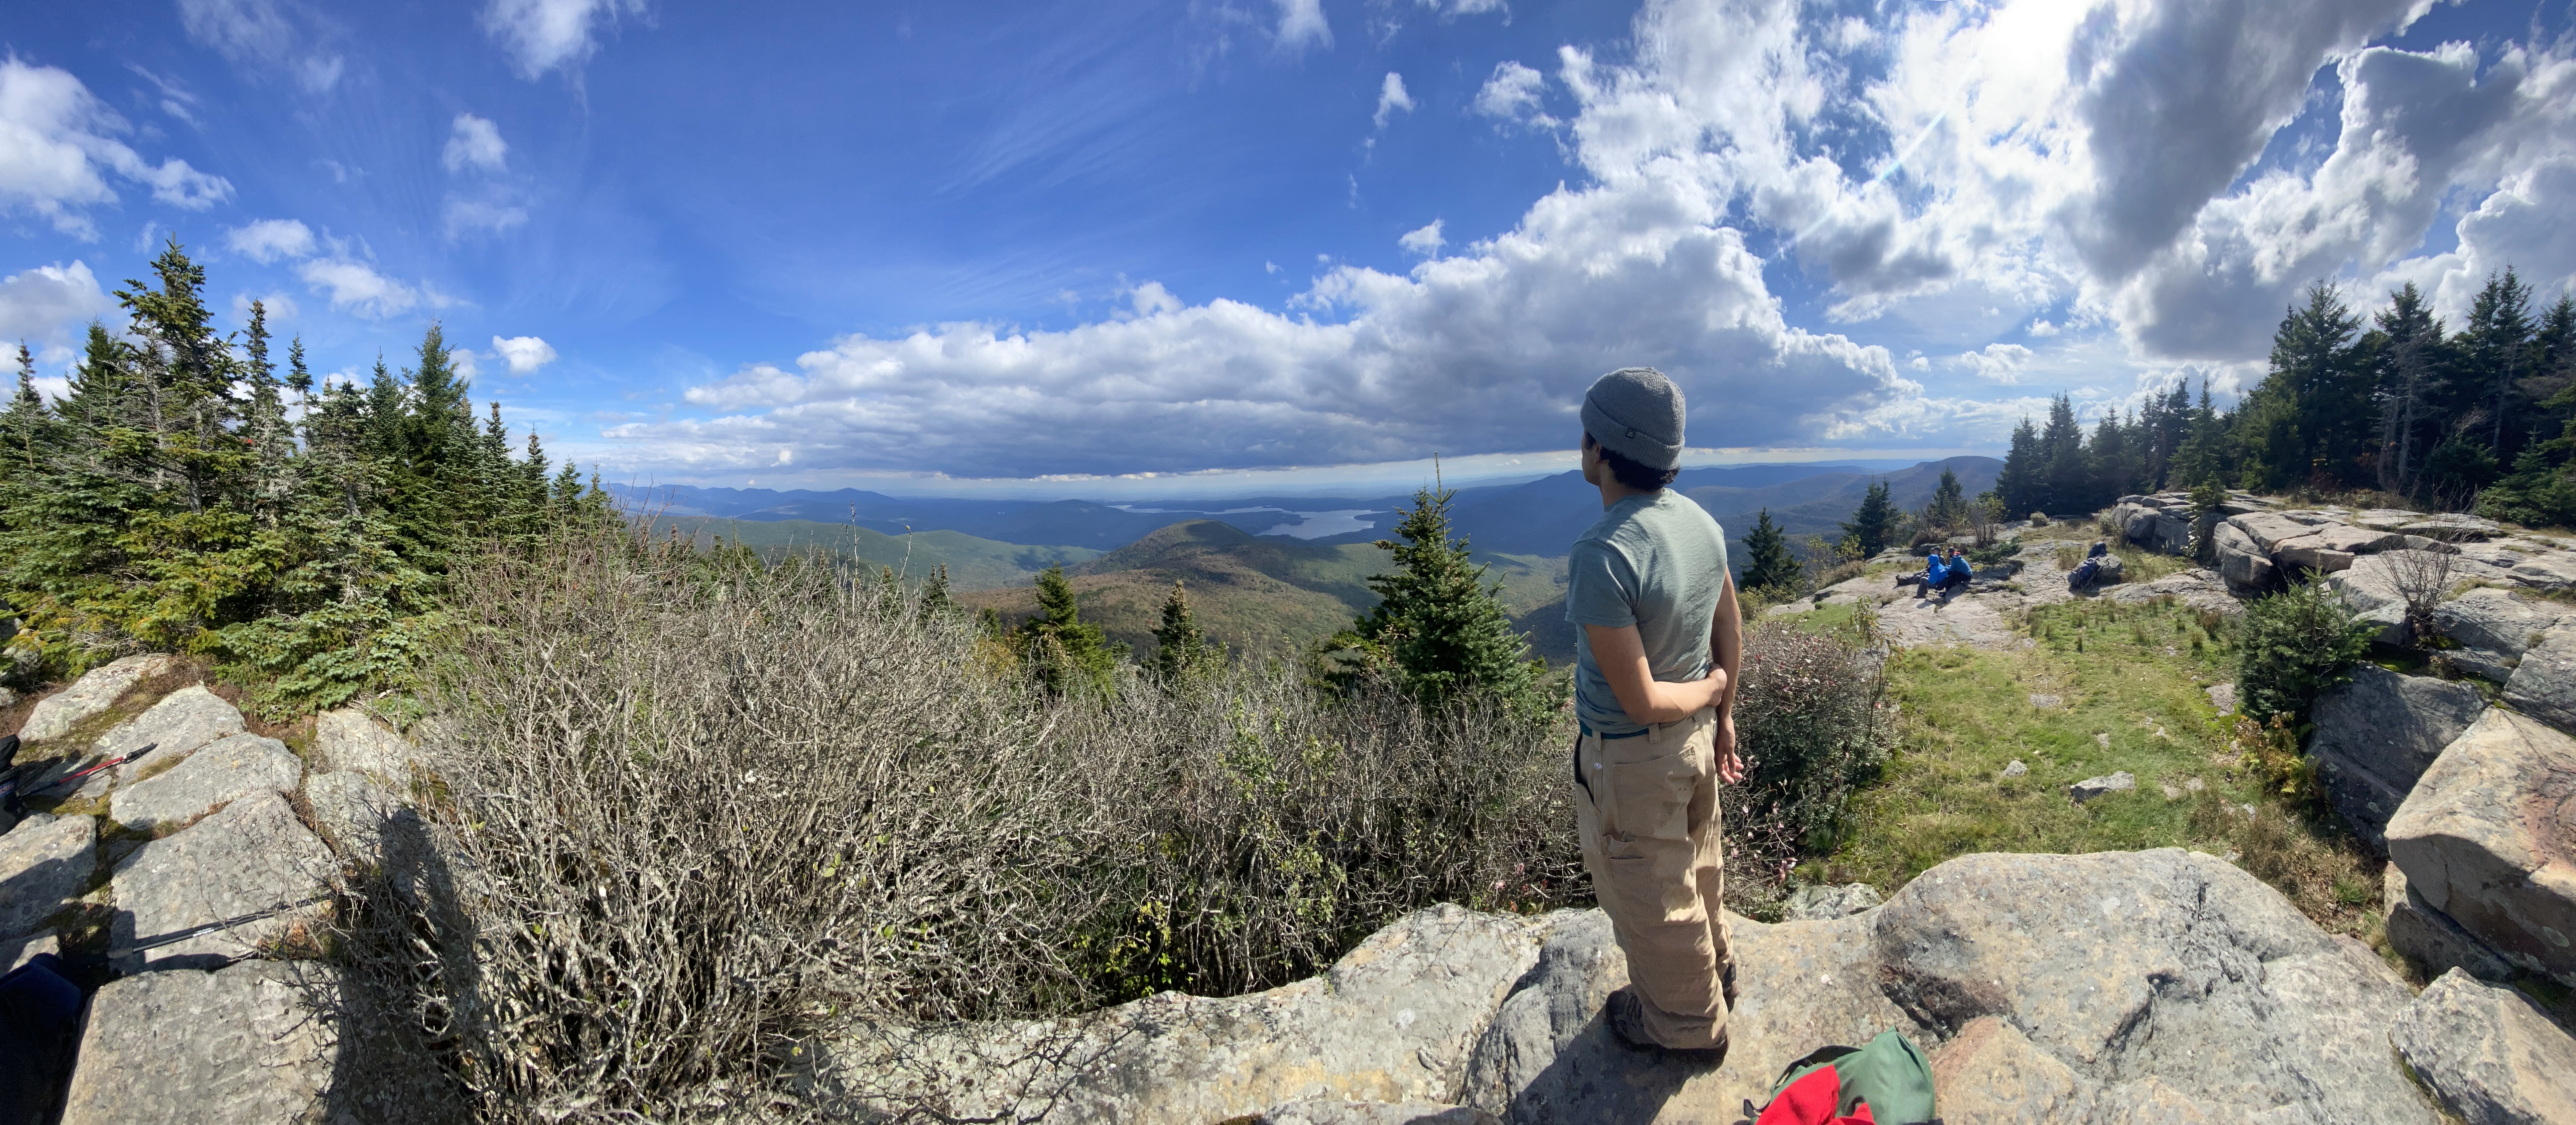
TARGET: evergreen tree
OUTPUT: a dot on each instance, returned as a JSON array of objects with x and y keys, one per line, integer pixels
[
  {"x": 1768, "y": 565},
  {"x": 2407, "y": 350},
  {"x": 2066, "y": 475},
  {"x": 2495, "y": 348},
  {"x": 1873, "y": 524},
  {"x": 2020, "y": 484},
  {"x": 1949, "y": 506},
  {"x": 1064, "y": 653},
  {"x": 1182, "y": 654},
  {"x": 1438, "y": 629},
  {"x": 936, "y": 600},
  {"x": 2115, "y": 464}
]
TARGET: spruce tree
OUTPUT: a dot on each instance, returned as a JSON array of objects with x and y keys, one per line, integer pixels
[
  {"x": 1438, "y": 630},
  {"x": 1064, "y": 653},
  {"x": 1949, "y": 507},
  {"x": 1182, "y": 654},
  {"x": 1768, "y": 565},
  {"x": 1873, "y": 524},
  {"x": 2066, "y": 475},
  {"x": 2020, "y": 483},
  {"x": 936, "y": 601}
]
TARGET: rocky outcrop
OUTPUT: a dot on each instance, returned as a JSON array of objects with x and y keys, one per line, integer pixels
[
  {"x": 2429, "y": 936},
  {"x": 89, "y": 695},
  {"x": 2195, "y": 589},
  {"x": 2543, "y": 683},
  {"x": 2488, "y": 838},
  {"x": 2048, "y": 988},
  {"x": 251, "y": 1043},
  {"x": 177, "y": 726},
  {"x": 347, "y": 739},
  {"x": 1824, "y": 903},
  {"x": 2493, "y": 628},
  {"x": 229, "y": 769},
  {"x": 252, "y": 856},
  {"x": 44, "y": 863},
  {"x": 2378, "y": 734},
  {"x": 1338, "y": 1111},
  {"x": 2488, "y": 1054}
]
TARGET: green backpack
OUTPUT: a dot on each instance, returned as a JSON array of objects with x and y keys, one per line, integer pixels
[{"x": 1890, "y": 1074}]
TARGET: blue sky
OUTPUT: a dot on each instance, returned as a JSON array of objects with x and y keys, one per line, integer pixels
[{"x": 1057, "y": 246}]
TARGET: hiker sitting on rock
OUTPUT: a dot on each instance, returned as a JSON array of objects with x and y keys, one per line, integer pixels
[
  {"x": 1656, "y": 660},
  {"x": 1940, "y": 574}
]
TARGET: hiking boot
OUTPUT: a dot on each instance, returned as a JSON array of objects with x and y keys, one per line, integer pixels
[
  {"x": 1627, "y": 1019},
  {"x": 1726, "y": 987}
]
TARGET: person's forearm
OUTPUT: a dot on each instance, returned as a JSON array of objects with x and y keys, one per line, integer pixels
[
  {"x": 1726, "y": 640},
  {"x": 1671, "y": 703}
]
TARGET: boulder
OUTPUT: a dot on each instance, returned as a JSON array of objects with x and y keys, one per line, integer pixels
[
  {"x": 2093, "y": 787},
  {"x": 2057, "y": 982},
  {"x": 2222, "y": 697},
  {"x": 2241, "y": 560},
  {"x": 352, "y": 808},
  {"x": 2490, "y": 1055},
  {"x": 2488, "y": 837},
  {"x": 2499, "y": 621},
  {"x": 2110, "y": 570},
  {"x": 1392, "y": 1021},
  {"x": 252, "y": 856},
  {"x": 2543, "y": 684},
  {"x": 2016, "y": 769},
  {"x": 89, "y": 695},
  {"x": 347, "y": 739},
  {"x": 2555, "y": 570},
  {"x": 2453, "y": 527},
  {"x": 2371, "y": 588},
  {"x": 2494, "y": 667},
  {"x": 2384, "y": 519},
  {"x": 2357, "y": 540},
  {"x": 2429, "y": 936},
  {"x": 229, "y": 769},
  {"x": 1335, "y": 1111},
  {"x": 2310, "y": 553},
  {"x": 2157, "y": 530},
  {"x": 175, "y": 727},
  {"x": 2376, "y": 735},
  {"x": 44, "y": 863},
  {"x": 255, "y": 1042},
  {"x": 2268, "y": 528},
  {"x": 1824, "y": 903}
]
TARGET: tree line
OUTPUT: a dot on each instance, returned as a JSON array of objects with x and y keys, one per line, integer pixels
[
  {"x": 2394, "y": 402},
  {"x": 185, "y": 495}
]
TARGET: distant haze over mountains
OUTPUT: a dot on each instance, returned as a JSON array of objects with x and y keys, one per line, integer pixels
[{"x": 1540, "y": 517}]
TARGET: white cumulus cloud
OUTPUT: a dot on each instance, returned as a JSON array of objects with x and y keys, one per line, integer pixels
[
  {"x": 356, "y": 287},
  {"x": 1423, "y": 240},
  {"x": 58, "y": 147},
  {"x": 1513, "y": 94},
  {"x": 1391, "y": 98},
  {"x": 1301, "y": 25},
  {"x": 271, "y": 239},
  {"x": 48, "y": 303},
  {"x": 524, "y": 354},
  {"x": 474, "y": 142},
  {"x": 541, "y": 35},
  {"x": 2001, "y": 363}
]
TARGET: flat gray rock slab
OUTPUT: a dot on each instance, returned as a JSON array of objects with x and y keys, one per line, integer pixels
[
  {"x": 2376, "y": 735},
  {"x": 1820, "y": 904},
  {"x": 1392, "y": 1021},
  {"x": 54, "y": 716},
  {"x": 2555, "y": 570},
  {"x": 2105, "y": 988},
  {"x": 2496, "y": 620},
  {"x": 2093, "y": 787},
  {"x": 227, "y": 770},
  {"x": 18, "y": 951},
  {"x": 43, "y": 866},
  {"x": 255, "y": 1042},
  {"x": 175, "y": 727},
  {"x": 352, "y": 807},
  {"x": 2222, "y": 697},
  {"x": 1336, "y": 1111},
  {"x": 2488, "y": 1053},
  {"x": 347, "y": 739},
  {"x": 2488, "y": 837},
  {"x": 252, "y": 856},
  {"x": 2543, "y": 685},
  {"x": 2198, "y": 590}
]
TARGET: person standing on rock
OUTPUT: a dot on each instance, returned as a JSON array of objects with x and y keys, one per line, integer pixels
[{"x": 1657, "y": 655}]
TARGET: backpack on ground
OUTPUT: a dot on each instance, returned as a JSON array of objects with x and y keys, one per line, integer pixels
[
  {"x": 2082, "y": 576},
  {"x": 1887, "y": 1082}
]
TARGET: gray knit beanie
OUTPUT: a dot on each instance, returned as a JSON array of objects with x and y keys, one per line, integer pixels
[{"x": 1636, "y": 413}]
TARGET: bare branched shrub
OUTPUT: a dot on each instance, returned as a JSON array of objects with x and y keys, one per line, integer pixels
[
  {"x": 1813, "y": 724},
  {"x": 2423, "y": 577},
  {"x": 690, "y": 810}
]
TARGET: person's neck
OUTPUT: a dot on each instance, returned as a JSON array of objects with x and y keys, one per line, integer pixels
[{"x": 1613, "y": 492}]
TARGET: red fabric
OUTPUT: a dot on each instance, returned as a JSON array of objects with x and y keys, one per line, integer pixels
[{"x": 1811, "y": 1100}]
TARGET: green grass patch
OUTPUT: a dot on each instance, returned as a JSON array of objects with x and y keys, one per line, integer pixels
[{"x": 2129, "y": 686}]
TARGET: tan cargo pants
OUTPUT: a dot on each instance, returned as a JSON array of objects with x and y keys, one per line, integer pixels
[{"x": 1647, "y": 810}]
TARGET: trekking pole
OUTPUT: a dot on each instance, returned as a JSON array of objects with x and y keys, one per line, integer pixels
[
  {"x": 174, "y": 937},
  {"x": 9, "y": 790}
]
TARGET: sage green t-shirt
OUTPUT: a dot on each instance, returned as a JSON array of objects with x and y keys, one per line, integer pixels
[{"x": 1655, "y": 561}]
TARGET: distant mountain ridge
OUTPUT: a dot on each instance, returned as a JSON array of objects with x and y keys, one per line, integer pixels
[{"x": 1545, "y": 517}]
